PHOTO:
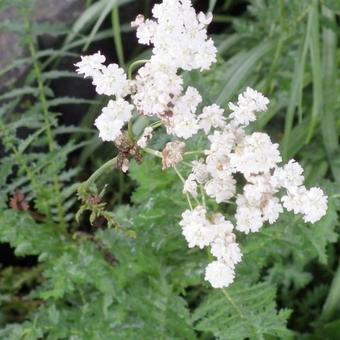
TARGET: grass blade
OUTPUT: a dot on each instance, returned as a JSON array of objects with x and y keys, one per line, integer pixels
[
  {"x": 329, "y": 71},
  {"x": 316, "y": 71},
  {"x": 244, "y": 65}
]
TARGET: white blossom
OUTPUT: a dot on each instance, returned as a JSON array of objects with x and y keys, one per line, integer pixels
[
  {"x": 255, "y": 155},
  {"x": 111, "y": 81},
  {"x": 113, "y": 118},
  {"x": 196, "y": 228},
  {"x": 289, "y": 177},
  {"x": 315, "y": 205},
  {"x": 145, "y": 31},
  {"x": 294, "y": 200},
  {"x": 172, "y": 154},
  {"x": 248, "y": 219},
  {"x": 179, "y": 36},
  {"x": 200, "y": 171},
  {"x": 218, "y": 166},
  {"x": 211, "y": 117},
  {"x": 205, "y": 19},
  {"x": 219, "y": 274},
  {"x": 271, "y": 210},
  {"x": 249, "y": 103},
  {"x": 138, "y": 21},
  {"x": 221, "y": 142},
  {"x": 228, "y": 253},
  {"x": 223, "y": 228},
  {"x": 156, "y": 89},
  {"x": 146, "y": 136},
  {"x": 190, "y": 186},
  {"x": 184, "y": 125},
  {"x": 90, "y": 65},
  {"x": 221, "y": 189}
]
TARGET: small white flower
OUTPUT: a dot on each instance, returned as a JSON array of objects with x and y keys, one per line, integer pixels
[
  {"x": 225, "y": 252},
  {"x": 112, "y": 81},
  {"x": 190, "y": 186},
  {"x": 257, "y": 154},
  {"x": 199, "y": 170},
  {"x": 223, "y": 227},
  {"x": 125, "y": 165},
  {"x": 188, "y": 102},
  {"x": 221, "y": 189},
  {"x": 196, "y": 228},
  {"x": 113, "y": 118},
  {"x": 90, "y": 65},
  {"x": 248, "y": 219},
  {"x": 314, "y": 205},
  {"x": 205, "y": 19},
  {"x": 211, "y": 116},
  {"x": 157, "y": 87},
  {"x": 138, "y": 21},
  {"x": 219, "y": 274},
  {"x": 184, "y": 125},
  {"x": 172, "y": 154},
  {"x": 221, "y": 143},
  {"x": 218, "y": 166},
  {"x": 289, "y": 177},
  {"x": 146, "y": 136},
  {"x": 249, "y": 103},
  {"x": 178, "y": 35},
  {"x": 145, "y": 31},
  {"x": 272, "y": 210}
]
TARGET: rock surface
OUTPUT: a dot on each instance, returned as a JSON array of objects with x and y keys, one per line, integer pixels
[{"x": 53, "y": 11}]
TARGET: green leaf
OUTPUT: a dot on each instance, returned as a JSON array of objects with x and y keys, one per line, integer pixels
[{"x": 242, "y": 312}]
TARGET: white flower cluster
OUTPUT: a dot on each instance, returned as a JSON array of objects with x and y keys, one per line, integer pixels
[
  {"x": 269, "y": 187},
  {"x": 109, "y": 80},
  {"x": 180, "y": 42},
  {"x": 216, "y": 233},
  {"x": 178, "y": 35}
]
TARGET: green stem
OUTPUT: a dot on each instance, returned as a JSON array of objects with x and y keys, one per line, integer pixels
[
  {"x": 131, "y": 135},
  {"x": 117, "y": 36},
  {"x": 187, "y": 195},
  {"x": 134, "y": 65},
  {"x": 42, "y": 97},
  {"x": 203, "y": 196},
  {"x": 157, "y": 124},
  {"x": 224, "y": 291},
  {"x": 153, "y": 152},
  {"x": 98, "y": 173},
  {"x": 193, "y": 153}
]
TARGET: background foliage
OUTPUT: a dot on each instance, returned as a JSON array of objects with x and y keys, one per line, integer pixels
[{"x": 138, "y": 279}]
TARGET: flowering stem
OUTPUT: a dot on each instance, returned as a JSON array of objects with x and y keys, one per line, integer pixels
[
  {"x": 224, "y": 291},
  {"x": 187, "y": 195},
  {"x": 131, "y": 135},
  {"x": 187, "y": 164},
  {"x": 105, "y": 167},
  {"x": 203, "y": 197},
  {"x": 134, "y": 65},
  {"x": 157, "y": 124},
  {"x": 193, "y": 153},
  {"x": 179, "y": 175},
  {"x": 46, "y": 114},
  {"x": 153, "y": 152},
  {"x": 117, "y": 35}
]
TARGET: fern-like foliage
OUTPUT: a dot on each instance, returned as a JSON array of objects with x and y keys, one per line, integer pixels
[{"x": 242, "y": 312}]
